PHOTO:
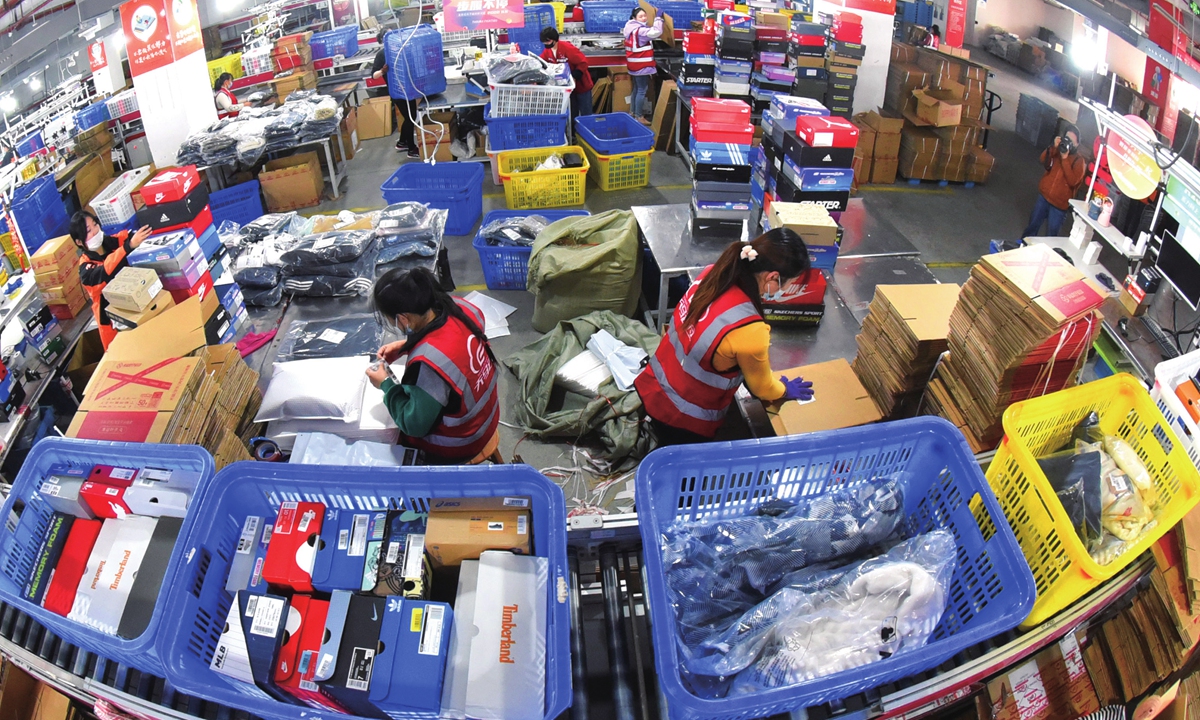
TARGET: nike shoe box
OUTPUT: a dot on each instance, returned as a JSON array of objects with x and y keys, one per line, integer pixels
[
  {"x": 293, "y": 546},
  {"x": 352, "y": 629}
]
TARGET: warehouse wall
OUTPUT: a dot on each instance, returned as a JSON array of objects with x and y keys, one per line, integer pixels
[
  {"x": 1024, "y": 17},
  {"x": 1126, "y": 61}
]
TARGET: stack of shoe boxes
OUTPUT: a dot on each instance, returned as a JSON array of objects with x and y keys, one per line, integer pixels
[
  {"x": 806, "y": 56},
  {"x": 771, "y": 75},
  {"x": 735, "y": 56},
  {"x": 699, "y": 64},
  {"x": 721, "y": 136},
  {"x": 846, "y": 53},
  {"x": 818, "y": 159}
]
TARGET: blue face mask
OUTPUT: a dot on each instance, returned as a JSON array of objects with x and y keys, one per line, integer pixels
[{"x": 776, "y": 296}]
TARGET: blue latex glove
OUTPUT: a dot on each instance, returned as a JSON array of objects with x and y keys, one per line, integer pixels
[{"x": 798, "y": 389}]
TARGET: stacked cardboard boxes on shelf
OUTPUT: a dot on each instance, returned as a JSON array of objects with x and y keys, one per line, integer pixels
[
  {"x": 292, "y": 60},
  {"x": 56, "y": 272},
  {"x": 941, "y": 100},
  {"x": 880, "y": 149},
  {"x": 1021, "y": 328},
  {"x": 902, "y": 337}
]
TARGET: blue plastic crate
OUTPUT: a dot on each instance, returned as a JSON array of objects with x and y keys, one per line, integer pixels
[
  {"x": 507, "y": 268},
  {"x": 602, "y": 16},
  {"x": 456, "y": 187},
  {"x": 39, "y": 212},
  {"x": 416, "y": 67},
  {"x": 339, "y": 41},
  {"x": 614, "y": 133},
  {"x": 198, "y": 601},
  {"x": 525, "y": 131},
  {"x": 992, "y": 589},
  {"x": 91, "y": 115},
  {"x": 241, "y": 204},
  {"x": 682, "y": 12},
  {"x": 530, "y": 36},
  {"x": 19, "y": 546},
  {"x": 30, "y": 144}
]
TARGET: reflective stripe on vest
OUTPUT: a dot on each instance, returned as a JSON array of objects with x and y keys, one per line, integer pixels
[
  {"x": 706, "y": 345},
  {"x": 638, "y": 57},
  {"x": 685, "y": 407}
]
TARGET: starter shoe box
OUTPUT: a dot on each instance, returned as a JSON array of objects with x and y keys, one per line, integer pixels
[
  {"x": 342, "y": 551},
  {"x": 170, "y": 185},
  {"x": 293, "y": 546},
  {"x": 60, "y": 490},
  {"x": 161, "y": 492},
  {"x": 178, "y": 212},
  {"x": 804, "y": 155},
  {"x": 699, "y": 75},
  {"x": 507, "y": 673},
  {"x": 111, "y": 568},
  {"x": 166, "y": 252},
  {"x": 50, "y": 549},
  {"x": 249, "y": 555},
  {"x": 818, "y": 178},
  {"x": 60, "y": 596},
  {"x": 303, "y": 631},
  {"x": 357, "y": 637},
  {"x": 403, "y": 567},
  {"x": 458, "y": 655},
  {"x": 716, "y": 229},
  {"x": 147, "y": 582},
  {"x": 248, "y": 648},
  {"x": 834, "y": 201},
  {"x": 414, "y": 643}
]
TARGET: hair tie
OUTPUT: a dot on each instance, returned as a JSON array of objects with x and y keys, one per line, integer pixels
[{"x": 749, "y": 253}]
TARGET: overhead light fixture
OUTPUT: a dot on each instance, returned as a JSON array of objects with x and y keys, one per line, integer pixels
[
  {"x": 35, "y": 84},
  {"x": 8, "y": 104}
]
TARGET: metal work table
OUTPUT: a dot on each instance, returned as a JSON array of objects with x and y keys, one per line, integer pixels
[
  {"x": 454, "y": 97},
  {"x": 665, "y": 230},
  {"x": 855, "y": 278},
  {"x": 870, "y": 235}
]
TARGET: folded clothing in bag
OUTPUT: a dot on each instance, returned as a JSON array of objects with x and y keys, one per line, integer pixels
[
  {"x": 357, "y": 334},
  {"x": 358, "y": 267},
  {"x": 327, "y": 286},
  {"x": 262, "y": 297},
  {"x": 317, "y": 251},
  {"x": 514, "y": 232}
]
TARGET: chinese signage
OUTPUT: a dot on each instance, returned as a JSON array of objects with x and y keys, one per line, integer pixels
[
  {"x": 96, "y": 56},
  {"x": 1135, "y": 172},
  {"x": 483, "y": 14},
  {"x": 956, "y": 22},
  {"x": 159, "y": 32}
]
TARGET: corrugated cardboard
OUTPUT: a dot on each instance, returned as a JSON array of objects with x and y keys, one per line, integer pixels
[
  {"x": 177, "y": 332},
  {"x": 840, "y": 401},
  {"x": 142, "y": 385},
  {"x": 123, "y": 319},
  {"x": 939, "y": 108},
  {"x": 54, "y": 254},
  {"x": 94, "y": 175},
  {"x": 375, "y": 118},
  {"x": 292, "y": 183},
  {"x": 883, "y": 170},
  {"x": 1053, "y": 685},
  {"x": 811, "y": 222},
  {"x": 454, "y": 535},
  {"x": 149, "y": 427},
  {"x": 69, "y": 293}
]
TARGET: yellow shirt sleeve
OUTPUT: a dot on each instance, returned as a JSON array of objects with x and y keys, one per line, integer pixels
[{"x": 748, "y": 348}]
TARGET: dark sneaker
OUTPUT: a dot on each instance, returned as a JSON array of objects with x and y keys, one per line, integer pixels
[{"x": 414, "y": 153}]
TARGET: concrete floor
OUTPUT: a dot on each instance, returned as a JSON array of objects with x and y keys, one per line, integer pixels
[{"x": 951, "y": 227}]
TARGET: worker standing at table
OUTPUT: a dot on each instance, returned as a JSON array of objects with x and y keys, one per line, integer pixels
[
  {"x": 447, "y": 403},
  {"x": 717, "y": 339},
  {"x": 103, "y": 257},
  {"x": 561, "y": 51}
]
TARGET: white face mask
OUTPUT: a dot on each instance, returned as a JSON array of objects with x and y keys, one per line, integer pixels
[{"x": 96, "y": 241}]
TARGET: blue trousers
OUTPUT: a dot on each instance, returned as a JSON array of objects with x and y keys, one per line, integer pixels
[
  {"x": 1044, "y": 212},
  {"x": 641, "y": 83}
]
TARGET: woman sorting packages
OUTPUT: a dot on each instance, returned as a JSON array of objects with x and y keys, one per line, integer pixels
[
  {"x": 717, "y": 339},
  {"x": 103, "y": 257},
  {"x": 447, "y": 403}
]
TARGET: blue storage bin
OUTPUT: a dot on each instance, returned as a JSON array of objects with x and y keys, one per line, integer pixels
[
  {"x": 39, "y": 212},
  {"x": 530, "y": 36},
  {"x": 602, "y": 16},
  {"x": 91, "y": 115},
  {"x": 30, "y": 144},
  {"x": 525, "y": 131},
  {"x": 420, "y": 71},
  {"x": 19, "y": 547},
  {"x": 339, "y": 41},
  {"x": 682, "y": 12},
  {"x": 456, "y": 187},
  {"x": 198, "y": 601},
  {"x": 614, "y": 133},
  {"x": 241, "y": 204},
  {"x": 992, "y": 589},
  {"x": 507, "y": 268}
]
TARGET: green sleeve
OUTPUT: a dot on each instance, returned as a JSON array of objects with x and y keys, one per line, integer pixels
[{"x": 414, "y": 411}]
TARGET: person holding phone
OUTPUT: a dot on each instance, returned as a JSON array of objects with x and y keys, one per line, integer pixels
[{"x": 1065, "y": 172}]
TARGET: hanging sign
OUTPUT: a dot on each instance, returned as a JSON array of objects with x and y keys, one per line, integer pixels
[
  {"x": 96, "y": 56},
  {"x": 159, "y": 32},
  {"x": 1135, "y": 172},
  {"x": 473, "y": 15}
]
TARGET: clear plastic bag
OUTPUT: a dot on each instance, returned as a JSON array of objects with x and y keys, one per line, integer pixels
[
  {"x": 269, "y": 224},
  {"x": 1123, "y": 512},
  {"x": 316, "y": 251},
  {"x": 264, "y": 297},
  {"x": 1128, "y": 461},
  {"x": 400, "y": 217},
  {"x": 514, "y": 232},
  {"x": 357, "y": 334},
  {"x": 519, "y": 70},
  {"x": 878, "y": 608},
  {"x": 327, "y": 285},
  {"x": 623, "y": 361}
]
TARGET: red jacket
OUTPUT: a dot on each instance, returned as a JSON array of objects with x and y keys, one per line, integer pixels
[
  {"x": 566, "y": 52},
  {"x": 96, "y": 271}
]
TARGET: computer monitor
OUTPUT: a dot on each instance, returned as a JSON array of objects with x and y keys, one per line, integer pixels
[{"x": 1177, "y": 261}]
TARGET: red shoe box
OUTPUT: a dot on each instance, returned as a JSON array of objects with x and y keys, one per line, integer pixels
[
  {"x": 825, "y": 131},
  {"x": 170, "y": 185}
]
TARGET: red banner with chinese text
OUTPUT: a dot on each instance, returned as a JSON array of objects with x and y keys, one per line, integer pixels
[{"x": 158, "y": 32}]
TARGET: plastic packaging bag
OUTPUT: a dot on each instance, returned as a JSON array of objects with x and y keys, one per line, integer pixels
[
  {"x": 316, "y": 251},
  {"x": 399, "y": 217},
  {"x": 327, "y": 285},
  {"x": 324, "y": 388},
  {"x": 357, "y": 334},
  {"x": 420, "y": 240},
  {"x": 1127, "y": 459},
  {"x": 623, "y": 361},
  {"x": 1123, "y": 512},
  {"x": 514, "y": 232},
  {"x": 266, "y": 297},
  {"x": 1075, "y": 477},
  {"x": 880, "y": 607}
]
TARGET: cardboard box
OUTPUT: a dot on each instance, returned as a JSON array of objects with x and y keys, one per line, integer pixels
[
  {"x": 83, "y": 364},
  {"x": 59, "y": 275},
  {"x": 464, "y": 530},
  {"x": 95, "y": 174},
  {"x": 839, "y": 401},
  {"x": 622, "y": 91},
  {"x": 134, "y": 385},
  {"x": 936, "y": 107},
  {"x": 293, "y": 546},
  {"x": 178, "y": 331},
  {"x": 134, "y": 289},
  {"x": 458, "y": 659},
  {"x": 979, "y": 168},
  {"x": 883, "y": 170},
  {"x": 347, "y": 136},
  {"x": 292, "y": 183},
  {"x": 1054, "y": 684},
  {"x": 70, "y": 293},
  {"x": 123, "y": 319},
  {"x": 55, "y": 254},
  {"x": 375, "y": 118},
  {"x": 72, "y": 307},
  {"x": 887, "y": 133},
  {"x": 811, "y": 222},
  {"x": 300, "y": 79},
  {"x": 149, "y": 427}
]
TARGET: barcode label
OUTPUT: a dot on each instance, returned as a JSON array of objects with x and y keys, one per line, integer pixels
[
  {"x": 51, "y": 488},
  {"x": 306, "y": 520},
  {"x": 267, "y": 616},
  {"x": 122, "y": 473},
  {"x": 251, "y": 604},
  {"x": 516, "y": 502},
  {"x": 343, "y": 539},
  {"x": 393, "y": 552},
  {"x": 150, "y": 475},
  {"x": 361, "y": 662},
  {"x": 431, "y": 634},
  {"x": 358, "y": 536},
  {"x": 522, "y": 525},
  {"x": 414, "y": 554},
  {"x": 286, "y": 519}
]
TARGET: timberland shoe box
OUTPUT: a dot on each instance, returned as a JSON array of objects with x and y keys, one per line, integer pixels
[
  {"x": 461, "y": 528},
  {"x": 133, "y": 289}
]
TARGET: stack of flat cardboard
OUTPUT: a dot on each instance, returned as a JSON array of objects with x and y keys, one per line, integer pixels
[
  {"x": 902, "y": 336},
  {"x": 1188, "y": 532},
  {"x": 1021, "y": 328}
]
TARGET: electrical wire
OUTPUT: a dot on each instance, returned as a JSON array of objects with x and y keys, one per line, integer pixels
[{"x": 408, "y": 70}]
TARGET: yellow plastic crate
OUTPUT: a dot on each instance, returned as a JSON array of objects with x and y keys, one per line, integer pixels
[
  {"x": 1061, "y": 565},
  {"x": 528, "y": 189},
  {"x": 560, "y": 11},
  {"x": 618, "y": 172},
  {"x": 231, "y": 64}
]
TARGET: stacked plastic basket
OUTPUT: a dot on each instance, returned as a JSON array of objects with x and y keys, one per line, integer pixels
[
  {"x": 606, "y": 16},
  {"x": 618, "y": 150},
  {"x": 454, "y": 187},
  {"x": 529, "y": 37},
  {"x": 331, "y": 43},
  {"x": 39, "y": 212},
  {"x": 114, "y": 204},
  {"x": 126, "y": 103}
]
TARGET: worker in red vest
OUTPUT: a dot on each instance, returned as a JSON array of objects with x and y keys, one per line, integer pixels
[
  {"x": 639, "y": 57},
  {"x": 227, "y": 102},
  {"x": 561, "y": 51},
  {"x": 447, "y": 403},
  {"x": 717, "y": 339},
  {"x": 103, "y": 257}
]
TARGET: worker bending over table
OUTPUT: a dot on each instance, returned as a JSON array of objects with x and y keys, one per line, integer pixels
[
  {"x": 717, "y": 339},
  {"x": 447, "y": 404}
]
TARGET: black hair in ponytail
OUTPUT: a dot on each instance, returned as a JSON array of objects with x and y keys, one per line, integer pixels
[
  {"x": 417, "y": 291},
  {"x": 780, "y": 250}
]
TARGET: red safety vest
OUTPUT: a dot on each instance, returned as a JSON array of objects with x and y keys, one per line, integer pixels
[
  {"x": 680, "y": 386},
  {"x": 96, "y": 292},
  {"x": 462, "y": 361},
  {"x": 233, "y": 101},
  {"x": 638, "y": 57}
]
